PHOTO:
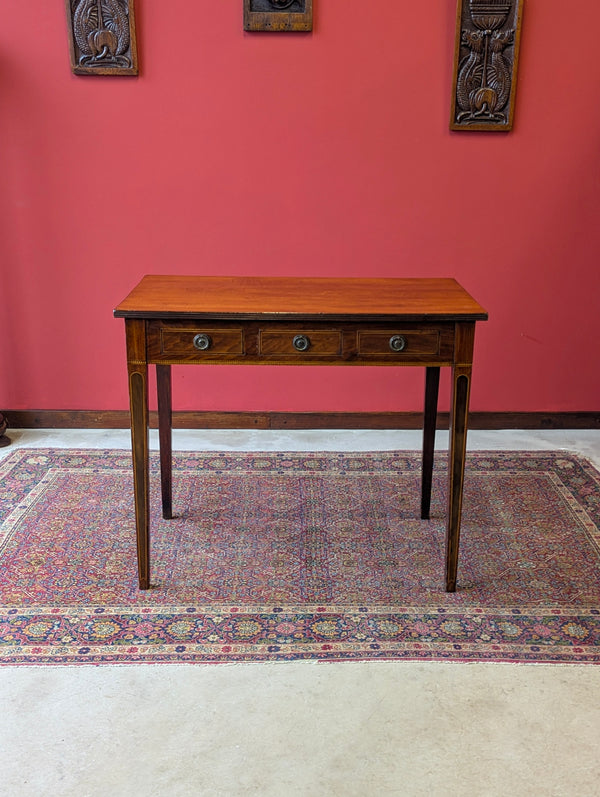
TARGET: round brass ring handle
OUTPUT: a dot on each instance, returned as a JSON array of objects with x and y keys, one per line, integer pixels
[
  {"x": 202, "y": 341},
  {"x": 301, "y": 343},
  {"x": 397, "y": 343}
]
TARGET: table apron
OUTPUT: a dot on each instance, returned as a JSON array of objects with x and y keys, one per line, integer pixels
[{"x": 299, "y": 343}]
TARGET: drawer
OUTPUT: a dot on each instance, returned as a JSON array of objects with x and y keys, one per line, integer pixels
[
  {"x": 195, "y": 342},
  {"x": 298, "y": 343},
  {"x": 398, "y": 343}
]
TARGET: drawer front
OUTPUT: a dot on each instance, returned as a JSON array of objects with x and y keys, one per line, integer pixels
[
  {"x": 299, "y": 344},
  {"x": 398, "y": 344},
  {"x": 195, "y": 343},
  {"x": 254, "y": 342}
]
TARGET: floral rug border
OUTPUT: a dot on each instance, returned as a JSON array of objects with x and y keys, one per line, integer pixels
[{"x": 75, "y": 635}]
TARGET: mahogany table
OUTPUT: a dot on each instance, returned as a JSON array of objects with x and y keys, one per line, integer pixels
[{"x": 172, "y": 320}]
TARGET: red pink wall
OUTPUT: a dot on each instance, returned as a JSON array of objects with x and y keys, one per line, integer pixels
[{"x": 318, "y": 154}]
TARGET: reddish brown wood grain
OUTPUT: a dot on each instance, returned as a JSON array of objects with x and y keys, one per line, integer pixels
[{"x": 164, "y": 296}]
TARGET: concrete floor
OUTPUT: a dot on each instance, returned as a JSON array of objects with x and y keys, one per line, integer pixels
[{"x": 299, "y": 728}]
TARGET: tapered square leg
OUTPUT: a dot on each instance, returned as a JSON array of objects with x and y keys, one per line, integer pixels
[
  {"x": 138, "y": 403},
  {"x": 459, "y": 416},
  {"x": 163, "y": 384},
  {"x": 432, "y": 384}
]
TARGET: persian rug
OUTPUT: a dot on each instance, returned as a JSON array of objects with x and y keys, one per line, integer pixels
[{"x": 287, "y": 556}]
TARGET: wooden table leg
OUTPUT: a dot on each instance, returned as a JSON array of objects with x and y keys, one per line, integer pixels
[
  {"x": 459, "y": 414},
  {"x": 138, "y": 402},
  {"x": 432, "y": 384},
  {"x": 163, "y": 384}
]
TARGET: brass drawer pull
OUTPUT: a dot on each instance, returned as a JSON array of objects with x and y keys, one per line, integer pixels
[
  {"x": 301, "y": 343},
  {"x": 397, "y": 343},
  {"x": 202, "y": 341}
]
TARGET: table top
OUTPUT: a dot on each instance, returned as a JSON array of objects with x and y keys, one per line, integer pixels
[{"x": 415, "y": 299}]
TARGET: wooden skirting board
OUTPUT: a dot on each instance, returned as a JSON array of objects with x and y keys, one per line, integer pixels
[{"x": 119, "y": 419}]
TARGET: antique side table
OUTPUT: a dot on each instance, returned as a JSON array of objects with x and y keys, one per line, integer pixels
[{"x": 172, "y": 320}]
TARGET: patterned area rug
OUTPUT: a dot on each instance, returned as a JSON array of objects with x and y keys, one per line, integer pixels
[{"x": 298, "y": 556}]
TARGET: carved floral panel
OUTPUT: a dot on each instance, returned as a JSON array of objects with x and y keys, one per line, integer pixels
[
  {"x": 102, "y": 37},
  {"x": 485, "y": 64}
]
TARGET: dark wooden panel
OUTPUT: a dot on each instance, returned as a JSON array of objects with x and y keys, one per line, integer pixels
[
  {"x": 102, "y": 38},
  {"x": 485, "y": 64},
  {"x": 278, "y": 15}
]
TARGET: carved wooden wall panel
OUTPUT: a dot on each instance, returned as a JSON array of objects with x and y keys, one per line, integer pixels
[
  {"x": 485, "y": 64},
  {"x": 277, "y": 15},
  {"x": 102, "y": 37}
]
